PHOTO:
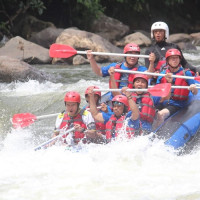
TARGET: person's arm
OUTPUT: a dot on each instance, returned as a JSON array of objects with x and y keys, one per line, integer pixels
[
  {"x": 152, "y": 58},
  {"x": 95, "y": 67},
  {"x": 132, "y": 105},
  {"x": 93, "y": 108}
]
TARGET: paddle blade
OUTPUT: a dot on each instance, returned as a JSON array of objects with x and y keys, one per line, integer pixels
[
  {"x": 197, "y": 78},
  {"x": 23, "y": 119},
  {"x": 61, "y": 51},
  {"x": 160, "y": 90}
]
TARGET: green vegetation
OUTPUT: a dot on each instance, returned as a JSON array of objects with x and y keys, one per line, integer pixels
[{"x": 80, "y": 13}]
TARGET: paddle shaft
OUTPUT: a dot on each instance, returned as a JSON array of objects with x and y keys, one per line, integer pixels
[
  {"x": 47, "y": 116},
  {"x": 52, "y": 139},
  {"x": 152, "y": 74},
  {"x": 117, "y": 90},
  {"x": 178, "y": 87},
  {"x": 107, "y": 54}
]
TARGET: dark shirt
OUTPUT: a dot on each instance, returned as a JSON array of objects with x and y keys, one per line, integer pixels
[{"x": 160, "y": 50}]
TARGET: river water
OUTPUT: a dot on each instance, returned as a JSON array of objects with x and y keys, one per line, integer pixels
[{"x": 124, "y": 170}]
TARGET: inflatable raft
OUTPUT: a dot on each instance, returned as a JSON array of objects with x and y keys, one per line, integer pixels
[{"x": 182, "y": 130}]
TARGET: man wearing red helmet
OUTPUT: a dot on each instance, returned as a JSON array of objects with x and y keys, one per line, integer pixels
[
  {"x": 178, "y": 97},
  {"x": 75, "y": 117},
  {"x": 160, "y": 33},
  {"x": 130, "y": 63},
  {"x": 115, "y": 124}
]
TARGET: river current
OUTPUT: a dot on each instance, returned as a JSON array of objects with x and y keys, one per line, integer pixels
[{"x": 137, "y": 169}]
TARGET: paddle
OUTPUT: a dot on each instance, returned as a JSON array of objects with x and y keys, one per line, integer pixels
[
  {"x": 178, "y": 87},
  {"x": 25, "y": 119},
  {"x": 65, "y": 51},
  {"x": 53, "y": 139},
  {"x": 161, "y": 90},
  {"x": 197, "y": 78}
]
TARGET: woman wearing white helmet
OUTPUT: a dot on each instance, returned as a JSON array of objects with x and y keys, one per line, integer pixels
[{"x": 160, "y": 33}]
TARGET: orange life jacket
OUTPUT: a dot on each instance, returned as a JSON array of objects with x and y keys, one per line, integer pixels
[{"x": 147, "y": 110}]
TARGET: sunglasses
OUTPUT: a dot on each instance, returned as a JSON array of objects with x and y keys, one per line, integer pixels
[{"x": 117, "y": 103}]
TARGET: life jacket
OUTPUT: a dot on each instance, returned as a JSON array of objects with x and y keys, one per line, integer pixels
[
  {"x": 100, "y": 126},
  {"x": 146, "y": 106},
  {"x": 117, "y": 76},
  {"x": 114, "y": 125},
  {"x": 161, "y": 65},
  {"x": 178, "y": 94},
  {"x": 69, "y": 122}
]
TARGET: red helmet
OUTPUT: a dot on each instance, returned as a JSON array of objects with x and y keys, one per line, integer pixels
[
  {"x": 141, "y": 76},
  {"x": 72, "y": 97},
  {"x": 122, "y": 99},
  {"x": 96, "y": 92},
  {"x": 131, "y": 47},
  {"x": 172, "y": 52}
]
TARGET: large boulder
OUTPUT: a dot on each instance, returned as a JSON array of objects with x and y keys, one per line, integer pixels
[
  {"x": 83, "y": 40},
  {"x": 109, "y": 28},
  {"x": 46, "y": 37},
  {"x": 24, "y": 50},
  {"x": 183, "y": 40},
  {"x": 137, "y": 38},
  {"x": 195, "y": 38},
  {"x": 12, "y": 69}
]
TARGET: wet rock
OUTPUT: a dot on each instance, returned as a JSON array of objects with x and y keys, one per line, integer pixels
[
  {"x": 27, "y": 51},
  {"x": 195, "y": 38},
  {"x": 83, "y": 40},
  {"x": 12, "y": 69}
]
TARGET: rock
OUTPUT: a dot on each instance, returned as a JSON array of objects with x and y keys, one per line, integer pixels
[
  {"x": 83, "y": 40},
  {"x": 79, "y": 60},
  {"x": 27, "y": 51},
  {"x": 12, "y": 69},
  {"x": 109, "y": 28},
  {"x": 195, "y": 38},
  {"x": 46, "y": 37},
  {"x": 186, "y": 46},
  {"x": 179, "y": 37},
  {"x": 137, "y": 38}
]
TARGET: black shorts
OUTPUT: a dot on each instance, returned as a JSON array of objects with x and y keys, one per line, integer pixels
[{"x": 172, "y": 109}]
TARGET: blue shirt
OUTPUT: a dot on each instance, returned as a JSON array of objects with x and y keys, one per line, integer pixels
[
  {"x": 107, "y": 115},
  {"x": 178, "y": 103}
]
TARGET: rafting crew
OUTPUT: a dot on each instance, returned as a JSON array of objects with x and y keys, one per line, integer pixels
[
  {"x": 130, "y": 63},
  {"x": 73, "y": 116},
  {"x": 179, "y": 97},
  {"x": 123, "y": 121},
  {"x": 145, "y": 102}
]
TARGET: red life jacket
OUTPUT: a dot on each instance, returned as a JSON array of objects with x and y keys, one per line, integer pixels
[
  {"x": 68, "y": 121},
  {"x": 161, "y": 65},
  {"x": 148, "y": 110},
  {"x": 114, "y": 125},
  {"x": 100, "y": 126},
  {"x": 117, "y": 76},
  {"x": 178, "y": 94}
]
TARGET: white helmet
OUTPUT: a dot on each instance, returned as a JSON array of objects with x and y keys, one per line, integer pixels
[{"x": 160, "y": 25}]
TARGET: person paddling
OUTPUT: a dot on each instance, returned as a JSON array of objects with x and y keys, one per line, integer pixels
[
  {"x": 73, "y": 116},
  {"x": 178, "y": 97},
  {"x": 160, "y": 33},
  {"x": 130, "y": 63}
]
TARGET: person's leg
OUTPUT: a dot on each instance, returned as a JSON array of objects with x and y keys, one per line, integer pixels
[{"x": 161, "y": 116}]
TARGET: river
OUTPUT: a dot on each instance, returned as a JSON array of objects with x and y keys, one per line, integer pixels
[{"x": 124, "y": 170}]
